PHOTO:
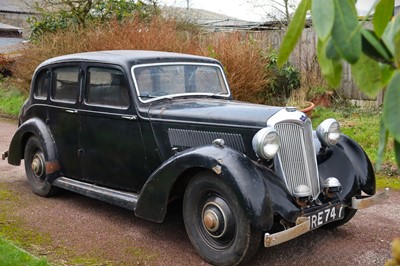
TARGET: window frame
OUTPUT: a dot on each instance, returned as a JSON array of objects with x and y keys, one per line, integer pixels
[
  {"x": 87, "y": 83},
  {"x": 48, "y": 73},
  {"x": 225, "y": 82},
  {"x": 53, "y": 82}
]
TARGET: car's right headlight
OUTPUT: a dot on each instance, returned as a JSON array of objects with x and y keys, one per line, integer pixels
[
  {"x": 328, "y": 132},
  {"x": 266, "y": 143}
]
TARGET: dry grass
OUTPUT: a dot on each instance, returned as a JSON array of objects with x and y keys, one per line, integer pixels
[{"x": 241, "y": 56}]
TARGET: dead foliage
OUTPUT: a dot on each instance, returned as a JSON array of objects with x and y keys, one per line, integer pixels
[{"x": 242, "y": 57}]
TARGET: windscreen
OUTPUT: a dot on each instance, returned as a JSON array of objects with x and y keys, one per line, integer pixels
[{"x": 168, "y": 80}]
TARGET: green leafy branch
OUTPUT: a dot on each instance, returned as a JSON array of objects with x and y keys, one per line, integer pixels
[
  {"x": 374, "y": 55},
  {"x": 52, "y": 16}
]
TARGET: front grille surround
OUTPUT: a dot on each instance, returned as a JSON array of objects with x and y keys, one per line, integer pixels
[{"x": 296, "y": 159}]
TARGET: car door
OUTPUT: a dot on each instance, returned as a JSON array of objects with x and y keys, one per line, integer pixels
[
  {"x": 110, "y": 141},
  {"x": 63, "y": 116}
]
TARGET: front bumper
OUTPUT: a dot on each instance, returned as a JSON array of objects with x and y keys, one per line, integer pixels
[{"x": 303, "y": 224}]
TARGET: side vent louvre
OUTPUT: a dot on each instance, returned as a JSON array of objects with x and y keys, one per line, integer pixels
[{"x": 192, "y": 138}]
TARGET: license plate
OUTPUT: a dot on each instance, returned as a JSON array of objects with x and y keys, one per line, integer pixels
[{"x": 326, "y": 215}]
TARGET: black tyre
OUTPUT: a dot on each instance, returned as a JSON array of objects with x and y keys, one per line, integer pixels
[
  {"x": 216, "y": 224},
  {"x": 348, "y": 214},
  {"x": 35, "y": 168}
]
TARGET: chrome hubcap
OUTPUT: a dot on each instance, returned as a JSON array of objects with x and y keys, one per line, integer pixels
[
  {"x": 210, "y": 220},
  {"x": 217, "y": 218},
  {"x": 37, "y": 165}
]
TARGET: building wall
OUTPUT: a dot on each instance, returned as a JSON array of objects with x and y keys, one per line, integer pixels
[{"x": 17, "y": 20}]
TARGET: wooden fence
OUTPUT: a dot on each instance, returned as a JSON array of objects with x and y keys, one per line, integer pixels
[{"x": 304, "y": 59}]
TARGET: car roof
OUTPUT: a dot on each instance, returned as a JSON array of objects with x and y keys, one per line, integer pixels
[{"x": 129, "y": 57}]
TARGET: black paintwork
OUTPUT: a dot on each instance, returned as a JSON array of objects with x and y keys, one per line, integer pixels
[{"x": 128, "y": 149}]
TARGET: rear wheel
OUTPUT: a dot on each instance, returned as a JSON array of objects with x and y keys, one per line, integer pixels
[
  {"x": 35, "y": 168},
  {"x": 216, "y": 224}
]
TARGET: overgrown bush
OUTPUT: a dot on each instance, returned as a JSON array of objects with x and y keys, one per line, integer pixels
[
  {"x": 5, "y": 66},
  {"x": 241, "y": 56},
  {"x": 244, "y": 64}
]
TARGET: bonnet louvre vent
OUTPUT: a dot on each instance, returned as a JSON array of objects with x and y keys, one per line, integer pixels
[{"x": 192, "y": 138}]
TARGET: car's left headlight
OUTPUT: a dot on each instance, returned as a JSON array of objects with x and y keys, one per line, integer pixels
[
  {"x": 328, "y": 132},
  {"x": 266, "y": 143}
]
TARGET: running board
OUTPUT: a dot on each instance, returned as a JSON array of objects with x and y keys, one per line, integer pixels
[{"x": 123, "y": 199}]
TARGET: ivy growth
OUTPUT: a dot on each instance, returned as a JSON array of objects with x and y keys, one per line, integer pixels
[{"x": 374, "y": 54}]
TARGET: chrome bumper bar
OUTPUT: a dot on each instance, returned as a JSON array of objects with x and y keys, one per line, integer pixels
[
  {"x": 302, "y": 227},
  {"x": 303, "y": 223},
  {"x": 369, "y": 201}
]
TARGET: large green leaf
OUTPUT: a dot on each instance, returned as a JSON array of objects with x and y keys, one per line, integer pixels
[
  {"x": 374, "y": 47},
  {"x": 383, "y": 138},
  {"x": 391, "y": 107},
  {"x": 323, "y": 15},
  {"x": 397, "y": 48},
  {"x": 346, "y": 34},
  {"x": 390, "y": 32},
  {"x": 383, "y": 13},
  {"x": 293, "y": 32},
  {"x": 330, "y": 68},
  {"x": 386, "y": 73},
  {"x": 367, "y": 74},
  {"x": 397, "y": 151},
  {"x": 331, "y": 52}
]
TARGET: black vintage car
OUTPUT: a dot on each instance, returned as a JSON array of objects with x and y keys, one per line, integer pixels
[{"x": 139, "y": 129}]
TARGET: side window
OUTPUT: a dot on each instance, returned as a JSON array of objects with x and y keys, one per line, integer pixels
[
  {"x": 107, "y": 87},
  {"x": 42, "y": 85},
  {"x": 65, "y": 84}
]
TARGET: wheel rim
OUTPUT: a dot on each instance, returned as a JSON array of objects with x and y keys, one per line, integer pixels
[
  {"x": 216, "y": 221},
  {"x": 38, "y": 167}
]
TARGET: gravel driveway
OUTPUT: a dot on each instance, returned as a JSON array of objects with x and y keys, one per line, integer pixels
[{"x": 86, "y": 227}]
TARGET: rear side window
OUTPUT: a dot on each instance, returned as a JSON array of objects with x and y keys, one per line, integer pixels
[
  {"x": 65, "y": 84},
  {"x": 42, "y": 85},
  {"x": 106, "y": 87}
]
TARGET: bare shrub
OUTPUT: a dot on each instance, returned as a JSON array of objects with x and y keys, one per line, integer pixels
[
  {"x": 241, "y": 56},
  {"x": 244, "y": 64},
  {"x": 5, "y": 66}
]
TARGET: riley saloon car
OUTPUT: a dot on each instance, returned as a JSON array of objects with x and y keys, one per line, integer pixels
[{"x": 140, "y": 129}]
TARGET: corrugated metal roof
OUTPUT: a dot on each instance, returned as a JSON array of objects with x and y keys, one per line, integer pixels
[
  {"x": 7, "y": 27},
  {"x": 207, "y": 19}
]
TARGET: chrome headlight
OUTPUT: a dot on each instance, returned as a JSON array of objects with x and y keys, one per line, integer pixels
[
  {"x": 266, "y": 143},
  {"x": 328, "y": 132}
]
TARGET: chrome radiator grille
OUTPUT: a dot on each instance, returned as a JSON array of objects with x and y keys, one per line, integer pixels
[{"x": 296, "y": 156}]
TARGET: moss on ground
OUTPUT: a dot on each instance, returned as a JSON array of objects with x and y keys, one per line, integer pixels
[{"x": 14, "y": 229}]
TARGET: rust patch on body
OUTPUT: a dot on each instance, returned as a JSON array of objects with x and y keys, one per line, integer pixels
[
  {"x": 52, "y": 167},
  {"x": 217, "y": 169}
]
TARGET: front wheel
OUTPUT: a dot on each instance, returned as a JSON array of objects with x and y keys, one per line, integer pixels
[
  {"x": 35, "y": 168},
  {"x": 216, "y": 224}
]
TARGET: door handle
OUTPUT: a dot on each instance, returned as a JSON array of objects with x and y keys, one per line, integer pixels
[
  {"x": 129, "y": 117},
  {"x": 72, "y": 111}
]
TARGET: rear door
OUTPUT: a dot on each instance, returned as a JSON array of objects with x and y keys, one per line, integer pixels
[
  {"x": 110, "y": 141},
  {"x": 63, "y": 116}
]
